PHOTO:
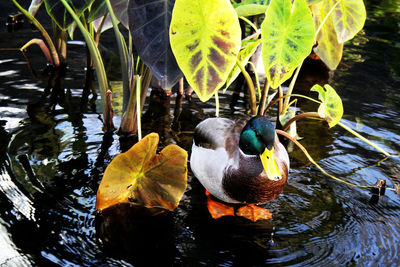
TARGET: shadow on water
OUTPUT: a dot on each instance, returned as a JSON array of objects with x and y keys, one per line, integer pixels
[{"x": 53, "y": 154}]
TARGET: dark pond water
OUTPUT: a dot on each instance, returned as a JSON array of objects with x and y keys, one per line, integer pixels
[{"x": 53, "y": 154}]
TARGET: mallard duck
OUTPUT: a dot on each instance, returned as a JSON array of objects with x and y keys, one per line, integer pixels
[{"x": 239, "y": 161}]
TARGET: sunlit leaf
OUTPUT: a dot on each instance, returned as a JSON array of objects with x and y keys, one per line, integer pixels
[
  {"x": 243, "y": 57},
  {"x": 287, "y": 38},
  {"x": 312, "y": 2},
  {"x": 328, "y": 48},
  {"x": 60, "y": 15},
  {"x": 34, "y": 6},
  {"x": 251, "y": 7},
  {"x": 331, "y": 108},
  {"x": 142, "y": 177},
  {"x": 348, "y": 18},
  {"x": 205, "y": 38},
  {"x": 149, "y": 26},
  {"x": 99, "y": 9}
]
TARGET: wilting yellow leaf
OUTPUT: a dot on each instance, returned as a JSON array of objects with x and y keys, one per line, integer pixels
[{"x": 142, "y": 177}]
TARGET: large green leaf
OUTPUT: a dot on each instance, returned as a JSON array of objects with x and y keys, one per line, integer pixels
[
  {"x": 243, "y": 57},
  {"x": 251, "y": 7},
  {"x": 60, "y": 15},
  {"x": 331, "y": 108},
  {"x": 142, "y": 177},
  {"x": 149, "y": 22},
  {"x": 99, "y": 9},
  {"x": 348, "y": 18},
  {"x": 287, "y": 38},
  {"x": 205, "y": 38},
  {"x": 328, "y": 47}
]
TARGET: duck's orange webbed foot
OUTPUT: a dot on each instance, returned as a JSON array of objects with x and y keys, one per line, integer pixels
[
  {"x": 218, "y": 209},
  {"x": 251, "y": 212},
  {"x": 254, "y": 213}
]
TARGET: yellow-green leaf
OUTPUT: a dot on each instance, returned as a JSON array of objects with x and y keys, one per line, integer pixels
[
  {"x": 142, "y": 177},
  {"x": 243, "y": 57},
  {"x": 287, "y": 38},
  {"x": 248, "y": 8},
  {"x": 312, "y": 2},
  {"x": 331, "y": 108},
  {"x": 328, "y": 47},
  {"x": 348, "y": 18},
  {"x": 205, "y": 38}
]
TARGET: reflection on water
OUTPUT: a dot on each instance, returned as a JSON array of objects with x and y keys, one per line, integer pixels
[{"x": 53, "y": 154}]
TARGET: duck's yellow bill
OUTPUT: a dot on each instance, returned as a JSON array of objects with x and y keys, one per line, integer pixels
[{"x": 270, "y": 166}]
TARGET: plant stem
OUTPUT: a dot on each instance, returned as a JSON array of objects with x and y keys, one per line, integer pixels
[
  {"x": 291, "y": 85},
  {"x": 123, "y": 51},
  {"x": 138, "y": 109},
  {"x": 364, "y": 139},
  {"x": 253, "y": 102},
  {"x": 278, "y": 99},
  {"x": 257, "y": 80},
  {"x": 46, "y": 36},
  {"x": 263, "y": 98},
  {"x": 283, "y": 133},
  {"x": 99, "y": 66},
  {"x": 249, "y": 22},
  {"x": 216, "y": 104},
  {"x": 300, "y": 116},
  {"x": 42, "y": 46}
]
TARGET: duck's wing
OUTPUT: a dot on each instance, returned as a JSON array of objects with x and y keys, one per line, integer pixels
[{"x": 214, "y": 133}]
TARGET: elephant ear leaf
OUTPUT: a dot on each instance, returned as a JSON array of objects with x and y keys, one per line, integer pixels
[
  {"x": 60, "y": 15},
  {"x": 348, "y": 18},
  {"x": 331, "y": 108},
  {"x": 328, "y": 49},
  {"x": 149, "y": 26},
  {"x": 251, "y": 7},
  {"x": 142, "y": 177},
  {"x": 287, "y": 38},
  {"x": 205, "y": 39}
]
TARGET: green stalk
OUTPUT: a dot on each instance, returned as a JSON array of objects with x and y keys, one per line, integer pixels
[
  {"x": 257, "y": 80},
  {"x": 300, "y": 116},
  {"x": 249, "y": 22},
  {"x": 216, "y": 104},
  {"x": 278, "y": 99},
  {"x": 98, "y": 64},
  {"x": 252, "y": 92},
  {"x": 291, "y": 85},
  {"x": 364, "y": 139},
  {"x": 46, "y": 36},
  {"x": 138, "y": 112},
  {"x": 263, "y": 100},
  {"x": 123, "y": 50}
]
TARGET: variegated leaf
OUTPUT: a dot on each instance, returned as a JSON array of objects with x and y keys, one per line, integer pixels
[
  {"x": 287, "y": 38},
  {"x": 205, "y": 39}
]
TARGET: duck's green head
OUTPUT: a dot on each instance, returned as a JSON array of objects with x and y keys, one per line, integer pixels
[{"x": 258, "y": 138}]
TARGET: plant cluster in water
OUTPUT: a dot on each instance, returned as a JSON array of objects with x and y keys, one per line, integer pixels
[{"x": 209, "y": 43}]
